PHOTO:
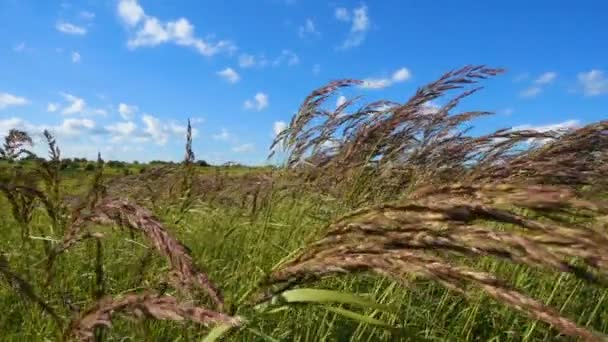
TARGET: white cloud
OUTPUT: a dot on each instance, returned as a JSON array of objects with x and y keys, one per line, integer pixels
[
  {"x": 223, "y": 135},
  {"x": 538, "y": 85},
  {"x": 52, "y": 107},
  {"x": 546, "y": 78},
  {"x": 308, "y": 28},
  {"x": 342, "y": 14},
  {"x": 153, "y": 129},
  {"x": 340, "y": 101},
  {"x": 150, "y": 31},
  {"x": 8, "y": 100},
  {"x": 243, "y": 148},
  {"x": 287, "y": 56},
  {"x": 259, "y": 102},
  {"x": 121, "y": 129},
  {"x": 360, "y": 24},
  {"x": 400, "y": 75},
  {"x": 126, "y": 111},
  {"x": 593, "y": 82},
  {"x": 69, "y": 28},
  {"x": 229, "y": 75},
  {"x": 532, "y": 91},
  {"x": 87, "y": 15},
  {"x": 246, "y": 60},
  {"x": 130, "y": 12},
  {"x": 569, "y": 124},
  {"x": 75, "y": 57},
  {"x": 278, "y": 127},
  {"x": 74, "y": 126},
  {"x": 75, "y": 105},
  {"x": 430, "y": 107}
]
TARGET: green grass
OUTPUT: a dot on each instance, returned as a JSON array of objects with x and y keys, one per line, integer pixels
[{"x": 238, "y": 249}]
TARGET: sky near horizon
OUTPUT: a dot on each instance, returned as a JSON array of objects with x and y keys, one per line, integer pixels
[{"x": 122, "y": 76}]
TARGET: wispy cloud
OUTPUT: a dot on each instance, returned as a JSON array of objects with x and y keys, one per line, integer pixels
[
  {"x": 52, "y": 107},
  {"x": 308, "y": 29},
  {"x": 286, "y": 57},
  {"x": 278, "y": 127},
  {"x": 243, "y": 148},
  {"x": 259, "y": 102},
  {"x": 223, "y": 135},
  {"x": 360, "y": 25},
  {"x": 9, "y": 100},
  {"x": 316, "y": 69},
  {"x": 69, "y": 28},
  {"x": 75, "y": 57},
  {"x": 87, "y": 15},
  {"x": 149, "y": 31},
  {"x": 229, "y": 75},
  {"x": 538, "y": 85},
  {"x": 530, "y": 92},
  {"x": 593, "y": 82},
  {"x": 400, "y": 75},
  {"x": 546, "y": 78}
]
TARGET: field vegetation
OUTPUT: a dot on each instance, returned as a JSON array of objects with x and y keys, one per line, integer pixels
[{"x": 386, "y": 222}]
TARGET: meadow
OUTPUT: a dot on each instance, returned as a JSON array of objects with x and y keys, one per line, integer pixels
[{"x": 386, "y": 222}]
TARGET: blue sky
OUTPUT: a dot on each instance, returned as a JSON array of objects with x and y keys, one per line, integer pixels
[{"x": 122, "y": 76}]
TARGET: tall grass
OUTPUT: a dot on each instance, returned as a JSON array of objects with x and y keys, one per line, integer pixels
[{"x": 403, "y": 224}]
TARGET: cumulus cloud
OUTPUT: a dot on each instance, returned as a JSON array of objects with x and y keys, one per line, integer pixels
[
  {"x": 559, "y": 127},
  {"x": 360, "y": 25},
  {"x": 149, "y": 31},
  {"x": 75, "y": 104},
  {"x": 593, "y": 82},
  {"x": 259, "y": 102},
  {"x": 400, "y": 75},
  {"x": 160, "y": 132},
  {"x": 9, "y": 100},
  {"x": 69, "y": 28},
  {"x": 229, "y": 75},
  {"x": 340, "y": 101},
  {"x": 121, "y": 129},
  {"x": 126, "y": 111}
]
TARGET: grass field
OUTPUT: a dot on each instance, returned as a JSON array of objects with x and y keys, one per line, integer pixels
[{"x": 509, "y": 249}]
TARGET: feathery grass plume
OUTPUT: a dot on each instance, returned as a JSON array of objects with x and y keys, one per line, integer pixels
[
  {"x": 574, "y": 157},
  {"x": 22, "y": 287},
  {"x": 147, "y": 305},
  {"x": 186, "y": 194},
  {"x": 15, "y": 143},
  {"x": 386, "y": 147},
  {"x": 50, "y": 173},
  {"x": 416, "y": 236},
  {"x": 185, "y": 275}
]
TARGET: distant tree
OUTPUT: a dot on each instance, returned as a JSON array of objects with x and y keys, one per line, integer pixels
[
  {"x": 202, "y": 163},
  {"x": 90, "y": 167}
]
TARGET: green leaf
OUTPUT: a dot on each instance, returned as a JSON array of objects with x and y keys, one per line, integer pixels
[
  {"x": 356, "y": 316},
  {"x": 217, "y": 332},
  {"x": 329, "y": 296}
]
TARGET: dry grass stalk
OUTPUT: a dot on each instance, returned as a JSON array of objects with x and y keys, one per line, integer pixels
[
  {"x": 417, "y": 236},
  {"x": 146, "y": 305},
  {"x": 185, "y": 274}
]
